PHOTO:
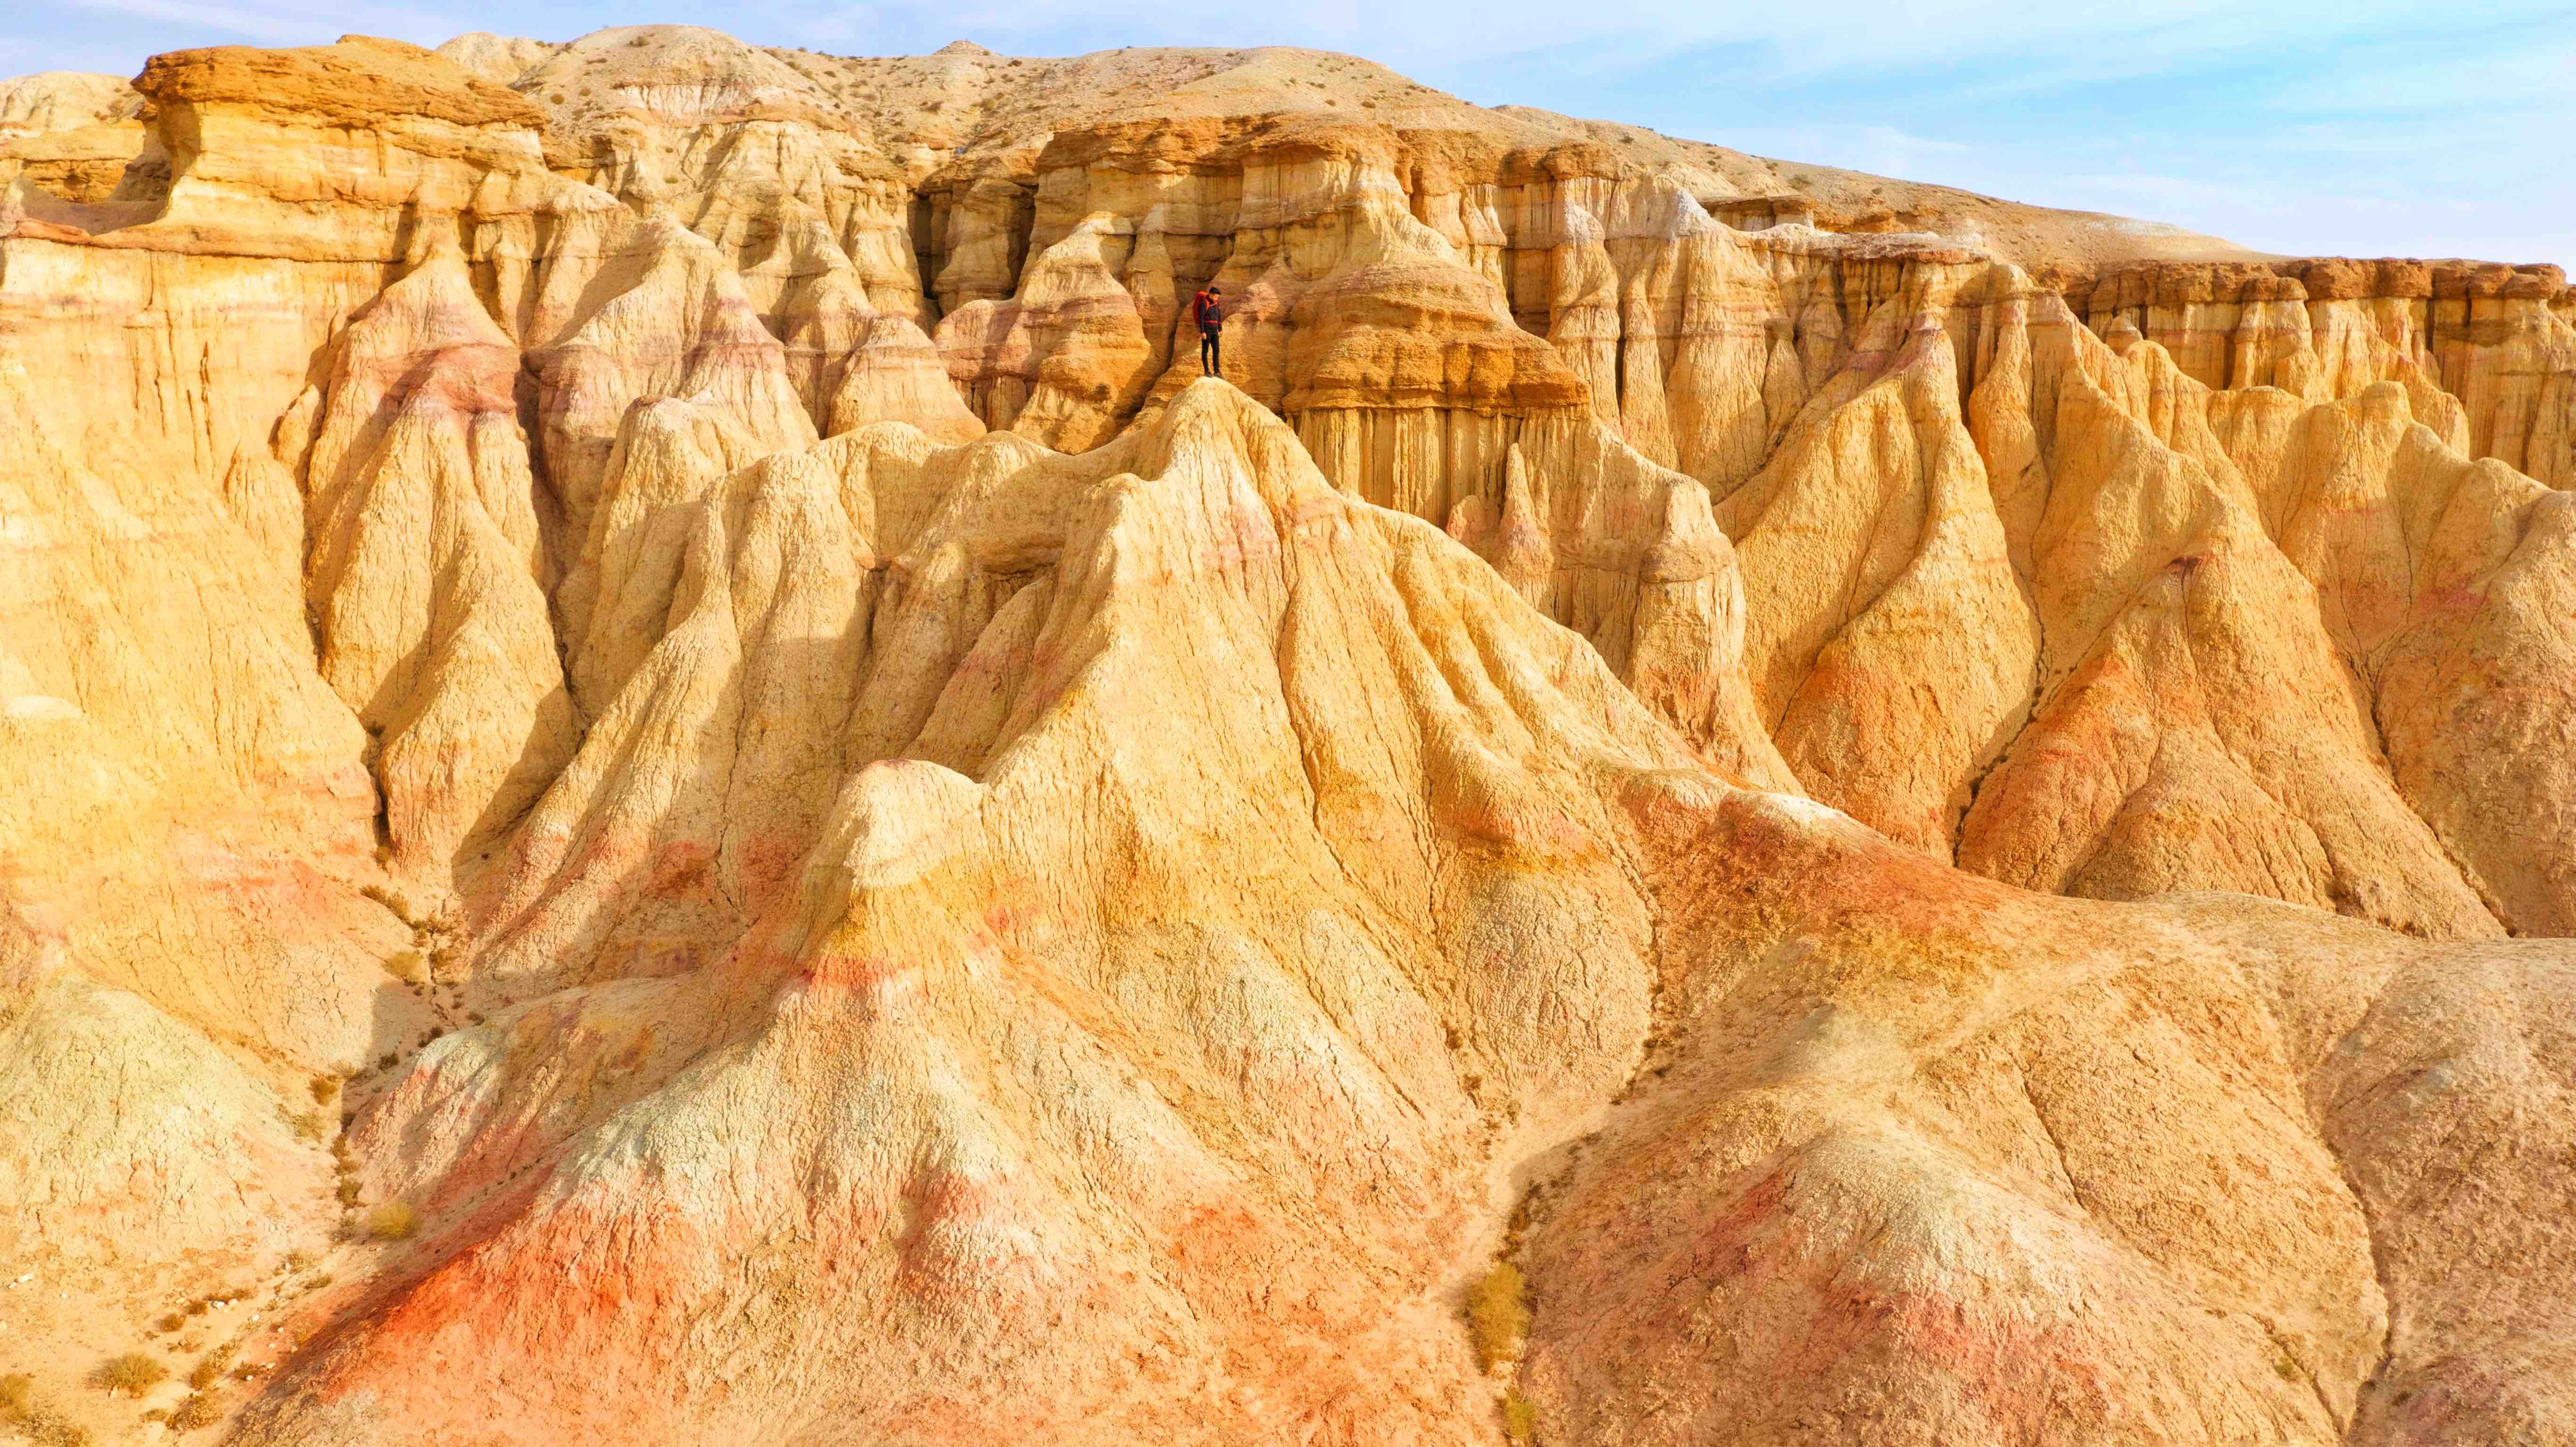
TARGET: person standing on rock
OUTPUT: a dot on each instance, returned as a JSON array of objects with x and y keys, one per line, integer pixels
[{"x": 1208, "y": 309}]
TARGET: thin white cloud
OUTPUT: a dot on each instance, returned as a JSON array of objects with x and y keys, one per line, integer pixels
[
  {"x": 2541, "y": 77},
  {"x": 233, "y": 19},
  {"x": 1887, "y": 151},
  {"x": 2143, "y": 37},
  {"x": 282, "y": 22},
  {"x": 2178, "y": 191}
]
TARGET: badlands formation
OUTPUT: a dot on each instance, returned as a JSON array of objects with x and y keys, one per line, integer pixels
[{"x": 666, "y": 777}]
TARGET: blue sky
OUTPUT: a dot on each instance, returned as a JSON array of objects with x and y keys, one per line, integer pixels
[{"x": 2359, "y": 127}]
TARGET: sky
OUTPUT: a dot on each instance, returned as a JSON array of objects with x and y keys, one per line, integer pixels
[{"x": 2354, "y": 127}]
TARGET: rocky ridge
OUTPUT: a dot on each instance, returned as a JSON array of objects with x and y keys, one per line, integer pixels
[{"x": 678, "y": 617}]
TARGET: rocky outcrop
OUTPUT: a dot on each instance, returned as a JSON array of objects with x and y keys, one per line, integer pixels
[
  {"x": 1405, "y": 730},
  {"x": 425, "y": 571},
  {"x": 1701, "y": 800},
  {"x": 2495, "y": 338},
  {"x": 70, "y": 135}
]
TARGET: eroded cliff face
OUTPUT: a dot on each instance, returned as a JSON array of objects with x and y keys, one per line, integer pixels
[{"x": 670, "y": 776}]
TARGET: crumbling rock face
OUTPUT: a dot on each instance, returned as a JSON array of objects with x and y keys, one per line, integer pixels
[
  {"x": 1909, "y": 807},
  {"x": 425, "y": 572}
]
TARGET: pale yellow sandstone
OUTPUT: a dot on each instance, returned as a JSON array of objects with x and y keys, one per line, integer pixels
[{"x": 880, "y": 857}]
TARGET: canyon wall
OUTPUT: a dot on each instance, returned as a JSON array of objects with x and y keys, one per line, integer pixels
[{"x": 671, "y": 775}]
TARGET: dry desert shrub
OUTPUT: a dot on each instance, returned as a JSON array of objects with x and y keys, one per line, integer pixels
[
  {"x": 133, "y": 1374},
  {"x": 324, "y": 1086},
  {"x": 1520, "y": 1419},
  {"x": 199, "y": 1410},
  {"x": 1498, "y": 1314},
  {"x": 408, "y": 966},
  {"x": 210, "y": 1370},
  {"x": 392, "y": 1221},
  {"x": 36, "y": 1422}
]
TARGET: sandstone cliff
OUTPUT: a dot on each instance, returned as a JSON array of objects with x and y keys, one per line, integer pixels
[{"x": 669, "y": 776}]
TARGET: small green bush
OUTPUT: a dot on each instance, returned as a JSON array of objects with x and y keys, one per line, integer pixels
[{"x": 1520, "y": 1419}]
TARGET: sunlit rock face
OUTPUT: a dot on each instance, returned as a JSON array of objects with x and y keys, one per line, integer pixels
[{"x": 666, "y": 774}]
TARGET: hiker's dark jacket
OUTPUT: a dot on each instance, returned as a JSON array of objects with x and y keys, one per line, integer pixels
[{"x": 1209, "y": 310}]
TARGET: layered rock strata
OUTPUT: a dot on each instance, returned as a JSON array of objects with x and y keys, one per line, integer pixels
[{"x": 666, "y": 775}]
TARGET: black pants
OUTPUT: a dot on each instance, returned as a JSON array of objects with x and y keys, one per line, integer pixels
[{"x": 1209, "y": 363}]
